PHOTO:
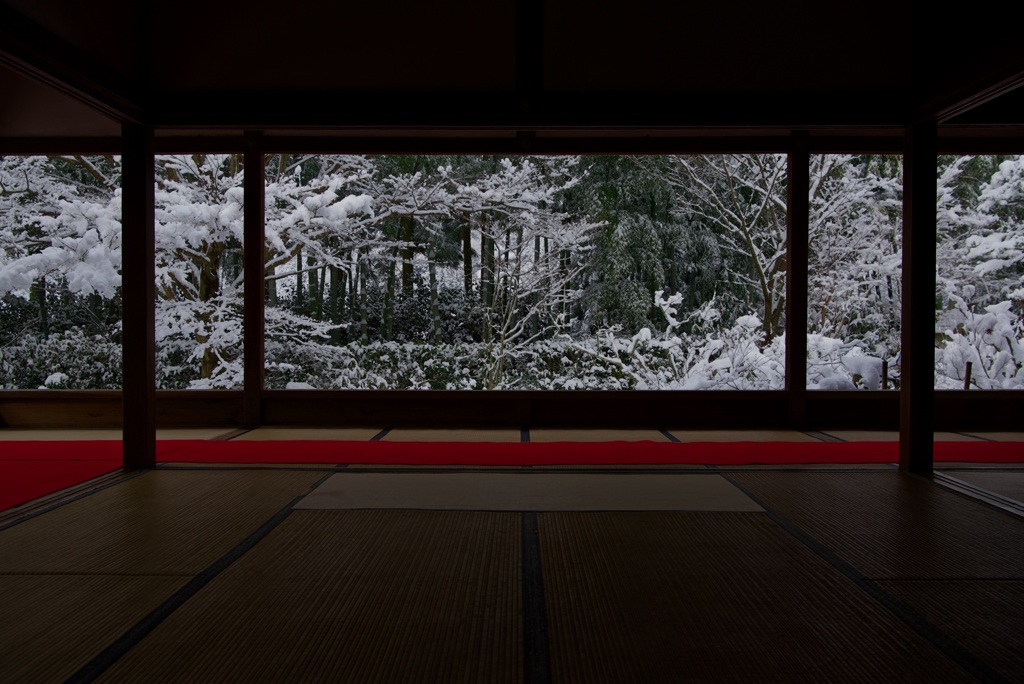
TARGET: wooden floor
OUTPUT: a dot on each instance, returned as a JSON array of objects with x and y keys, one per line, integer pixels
[{"x": 244, "y": 574}]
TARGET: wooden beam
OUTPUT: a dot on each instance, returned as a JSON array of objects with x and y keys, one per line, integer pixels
[
  {"x": 254, "y": 281},
  {"x": 507, "y": 141},
  {"x": 962, "y": 140},
  {"x": 797, "y": 211},
  {"x": 955, "y": 410},
  {"x": 138, "y": 287},
  {"x": 917, "y": 356},
  {"x": 979, "y": 91},
  {"x": 982, "y": 141},
  {"x": 504, "y": 110}
]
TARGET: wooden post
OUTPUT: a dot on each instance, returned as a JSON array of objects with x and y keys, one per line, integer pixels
[
  {"x": 917, "y": 370},
  {"x": 885, "y": 374},
  {"x": 798, "y": 207},
  {"x": 254, "y": 278},
  {"x": 967, "y": 375},
  {"x": 138, "y": 297}
]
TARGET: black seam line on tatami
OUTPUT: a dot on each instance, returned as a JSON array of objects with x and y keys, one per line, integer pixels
[
  {"x": 977, "y": 494},
  {"x": 953, "y": 649},
  {"x": 536, "y": 653},
  {"x": 538, "y": 471},
  {"x": 380, "y": 435},
  {"x": 524, "y": 434},
  {"x": 976, "y": 437},
  {"x": 824, "y": 436},
  {"x": 234, "y": 434},
  {"x": 668, "y": 435},
  {"x": 239, "y": 467},
  {"x": 102, "y": 662},
  {"x": 123, "y": 476},
  {"x": 977, "y": 469},
  {"x": 819, "y": 436}
]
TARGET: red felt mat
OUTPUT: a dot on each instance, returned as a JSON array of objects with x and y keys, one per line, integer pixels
[
  {"x": 22, "y": 481},
  {"x": 32, "y": 469}
]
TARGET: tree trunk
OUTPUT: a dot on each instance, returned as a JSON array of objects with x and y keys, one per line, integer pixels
[
  {"x": 408, "y": 224},
  {"x": 389, "y": 298},
  {"x": 37, "y": 293},
  {"x": 364, "y": 327},
  {"x": 435, "y": 310},
  {"x": 335, "y": 302},
  {"x": 502, "y": 287},
  {"x": 209, "y": 288},
  {"x": 467, "y": 255},
  {"x": 270, "y": 291},
  {"x": 299, "y": 297},
  {"x": 486, "y": 263},
  {"x": 353, "y": 280},
  {"x": 563, "y": 268},
  {"x": 320, "y": 294},
  {"x": 314, "y": 288}
]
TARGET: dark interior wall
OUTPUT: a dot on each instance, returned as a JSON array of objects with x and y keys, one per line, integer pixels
[
  {"x": 33, "y": 109},
  {"x": 104, "y": 30}
]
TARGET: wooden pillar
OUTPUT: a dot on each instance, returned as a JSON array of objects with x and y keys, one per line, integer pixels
[
  {"x": 917, "y": 365},
  {"x": 138, "y": 297},
  {"x": 255, "y": 282},
  {"x": 797, "y": 211}
]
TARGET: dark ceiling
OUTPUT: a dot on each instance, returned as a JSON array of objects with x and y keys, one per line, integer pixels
[{"x": 74, "y": 68}]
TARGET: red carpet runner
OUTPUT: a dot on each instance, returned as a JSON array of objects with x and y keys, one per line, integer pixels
[{"x": 32, "y": 469}]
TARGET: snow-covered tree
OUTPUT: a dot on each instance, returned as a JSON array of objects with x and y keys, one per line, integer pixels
[
  {"x": 741, "y": 199},
  {"x": 855, "y": 238},
  {"x": 473, "y": 272},
  {"x": 980, "y": 271},
  {"x": 60, "y": 255}
]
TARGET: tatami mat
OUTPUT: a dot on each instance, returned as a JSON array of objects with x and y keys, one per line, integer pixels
[
  {"x": 1010, "y": 485},
  {"x": 53, "y": 625},
  {"x": 438, "y": 435},
  {"x": 891, "y": 436},
  {"x": 998, "y": 436},
  {"x": 314, "y": 433},
  {"x": 195, "y": 433},
  {"x": 528, "y": 492},
  {"x": 891, "y": 525},
  {"x": 595, "y": 435},
  {"x": 623, "y": 466},
  {"x": 987, "y": 617},
  {"x": 851, "y": 467},
  {"x": 434, "y": 595},
  {"x": 953, "y": 466},
  {"x": 724, "y": 597},
  {"x": 741, "y": 436},
  {"x": 352, "y": 596},
  {"x": 17, "y": 434},
  {"x": 162, "y": 522}
]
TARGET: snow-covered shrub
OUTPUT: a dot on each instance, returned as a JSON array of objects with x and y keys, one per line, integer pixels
[
  {"x": 992, "y": 341},
  {"x": 195, "y": 336},
  {"x": 833, "y": 364},
  {"x": 67, "y": 360}
]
